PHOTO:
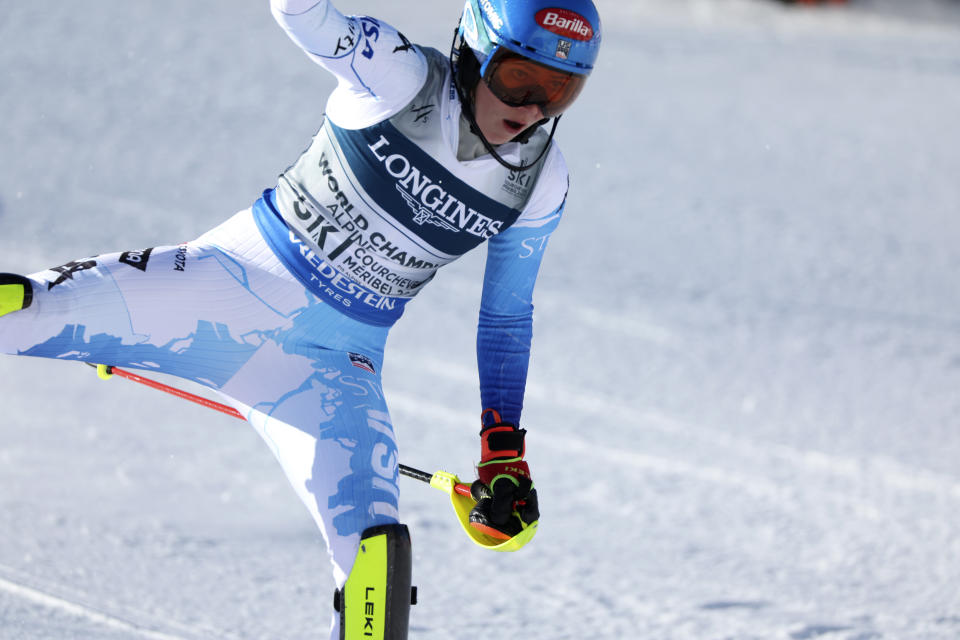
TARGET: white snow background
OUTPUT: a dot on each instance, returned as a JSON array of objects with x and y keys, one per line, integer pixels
[{"x": 744, "y": 398}]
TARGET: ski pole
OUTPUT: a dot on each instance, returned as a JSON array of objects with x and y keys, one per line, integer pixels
[
  {"x": 106, "y": 372},
  {"x": 459, "y": 493}
]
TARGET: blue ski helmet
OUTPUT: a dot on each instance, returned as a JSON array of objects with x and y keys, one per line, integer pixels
[
  {"x": 558, "y": 35},
  {"x": 564, "y": 34}
]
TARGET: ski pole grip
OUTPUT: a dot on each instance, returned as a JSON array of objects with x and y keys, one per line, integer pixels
[
  {"x": 446, "y": 482},
  {"x": 449, "y": 483}
]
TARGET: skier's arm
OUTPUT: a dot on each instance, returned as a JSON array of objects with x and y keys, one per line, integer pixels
[
  {"x": 505, "y": 326},
  {"x": 371, "y": 60},
  {"x": 506, "y": 499}
]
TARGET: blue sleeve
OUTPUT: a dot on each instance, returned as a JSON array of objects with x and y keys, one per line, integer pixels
[{"x": 505, "y": 327}]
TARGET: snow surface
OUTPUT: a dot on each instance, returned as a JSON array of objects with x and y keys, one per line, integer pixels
[{"x": 745, "y": 389}]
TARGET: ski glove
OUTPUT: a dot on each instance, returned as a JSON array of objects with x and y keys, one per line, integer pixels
[{"x": 506, "y": 499}]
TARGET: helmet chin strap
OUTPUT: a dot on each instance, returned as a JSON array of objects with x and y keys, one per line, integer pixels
[{"x": 466, "y": 104}]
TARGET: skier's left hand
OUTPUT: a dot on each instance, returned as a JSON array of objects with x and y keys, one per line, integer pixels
[{"x": 506, "y": 499}]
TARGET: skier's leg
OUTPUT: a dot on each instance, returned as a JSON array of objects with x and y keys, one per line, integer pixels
[
  {"x": 224, "y": 312},
  {"x": 323, "y": 415},
  {"x": 375, "y": 601},
  {"x": 195, "y": 310}
]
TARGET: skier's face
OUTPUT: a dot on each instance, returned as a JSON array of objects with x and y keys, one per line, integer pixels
[{"x": 500, "y": 122}]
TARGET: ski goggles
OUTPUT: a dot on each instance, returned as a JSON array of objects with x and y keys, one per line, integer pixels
[{"x": 518, "y": 82}]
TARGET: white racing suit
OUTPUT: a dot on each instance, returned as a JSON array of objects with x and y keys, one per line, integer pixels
[{"x": 285, "y": 308}]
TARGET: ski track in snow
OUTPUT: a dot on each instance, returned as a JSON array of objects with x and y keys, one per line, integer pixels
[{"x": 17, "y": 587}]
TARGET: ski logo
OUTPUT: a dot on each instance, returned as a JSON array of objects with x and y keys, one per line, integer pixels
[
  {"x": 422, "y": 215},
  {"x": 136, "y": 259},
  {"x": 348, "y": 40},
  {"x": 565, "y": 23},
  {"x": 66, "y": 271},
  {"x": 180, "y": 258},
  {"x": 423, "y": 113},
  {"x": 361, "y": 361}
]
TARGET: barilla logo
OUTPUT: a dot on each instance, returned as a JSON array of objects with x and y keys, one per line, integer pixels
[{"x": 566, "y": 23}]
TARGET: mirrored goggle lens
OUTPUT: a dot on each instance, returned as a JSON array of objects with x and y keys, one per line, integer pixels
[{"x": 519, "y": 81}]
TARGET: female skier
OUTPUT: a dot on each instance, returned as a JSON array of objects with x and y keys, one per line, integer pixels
[{"x": 285, "y": 308}]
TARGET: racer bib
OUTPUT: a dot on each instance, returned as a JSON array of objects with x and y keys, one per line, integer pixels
[{"x": 385, "y": 206}]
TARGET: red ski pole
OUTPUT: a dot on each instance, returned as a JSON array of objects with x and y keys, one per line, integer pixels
[{"x": 106, "y": 372}]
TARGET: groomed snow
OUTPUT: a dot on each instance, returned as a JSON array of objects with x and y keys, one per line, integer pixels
[{"x": 744, "y": 399}]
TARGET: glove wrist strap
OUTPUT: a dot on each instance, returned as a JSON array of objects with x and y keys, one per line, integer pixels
[{"x": 501, "y": 442}]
